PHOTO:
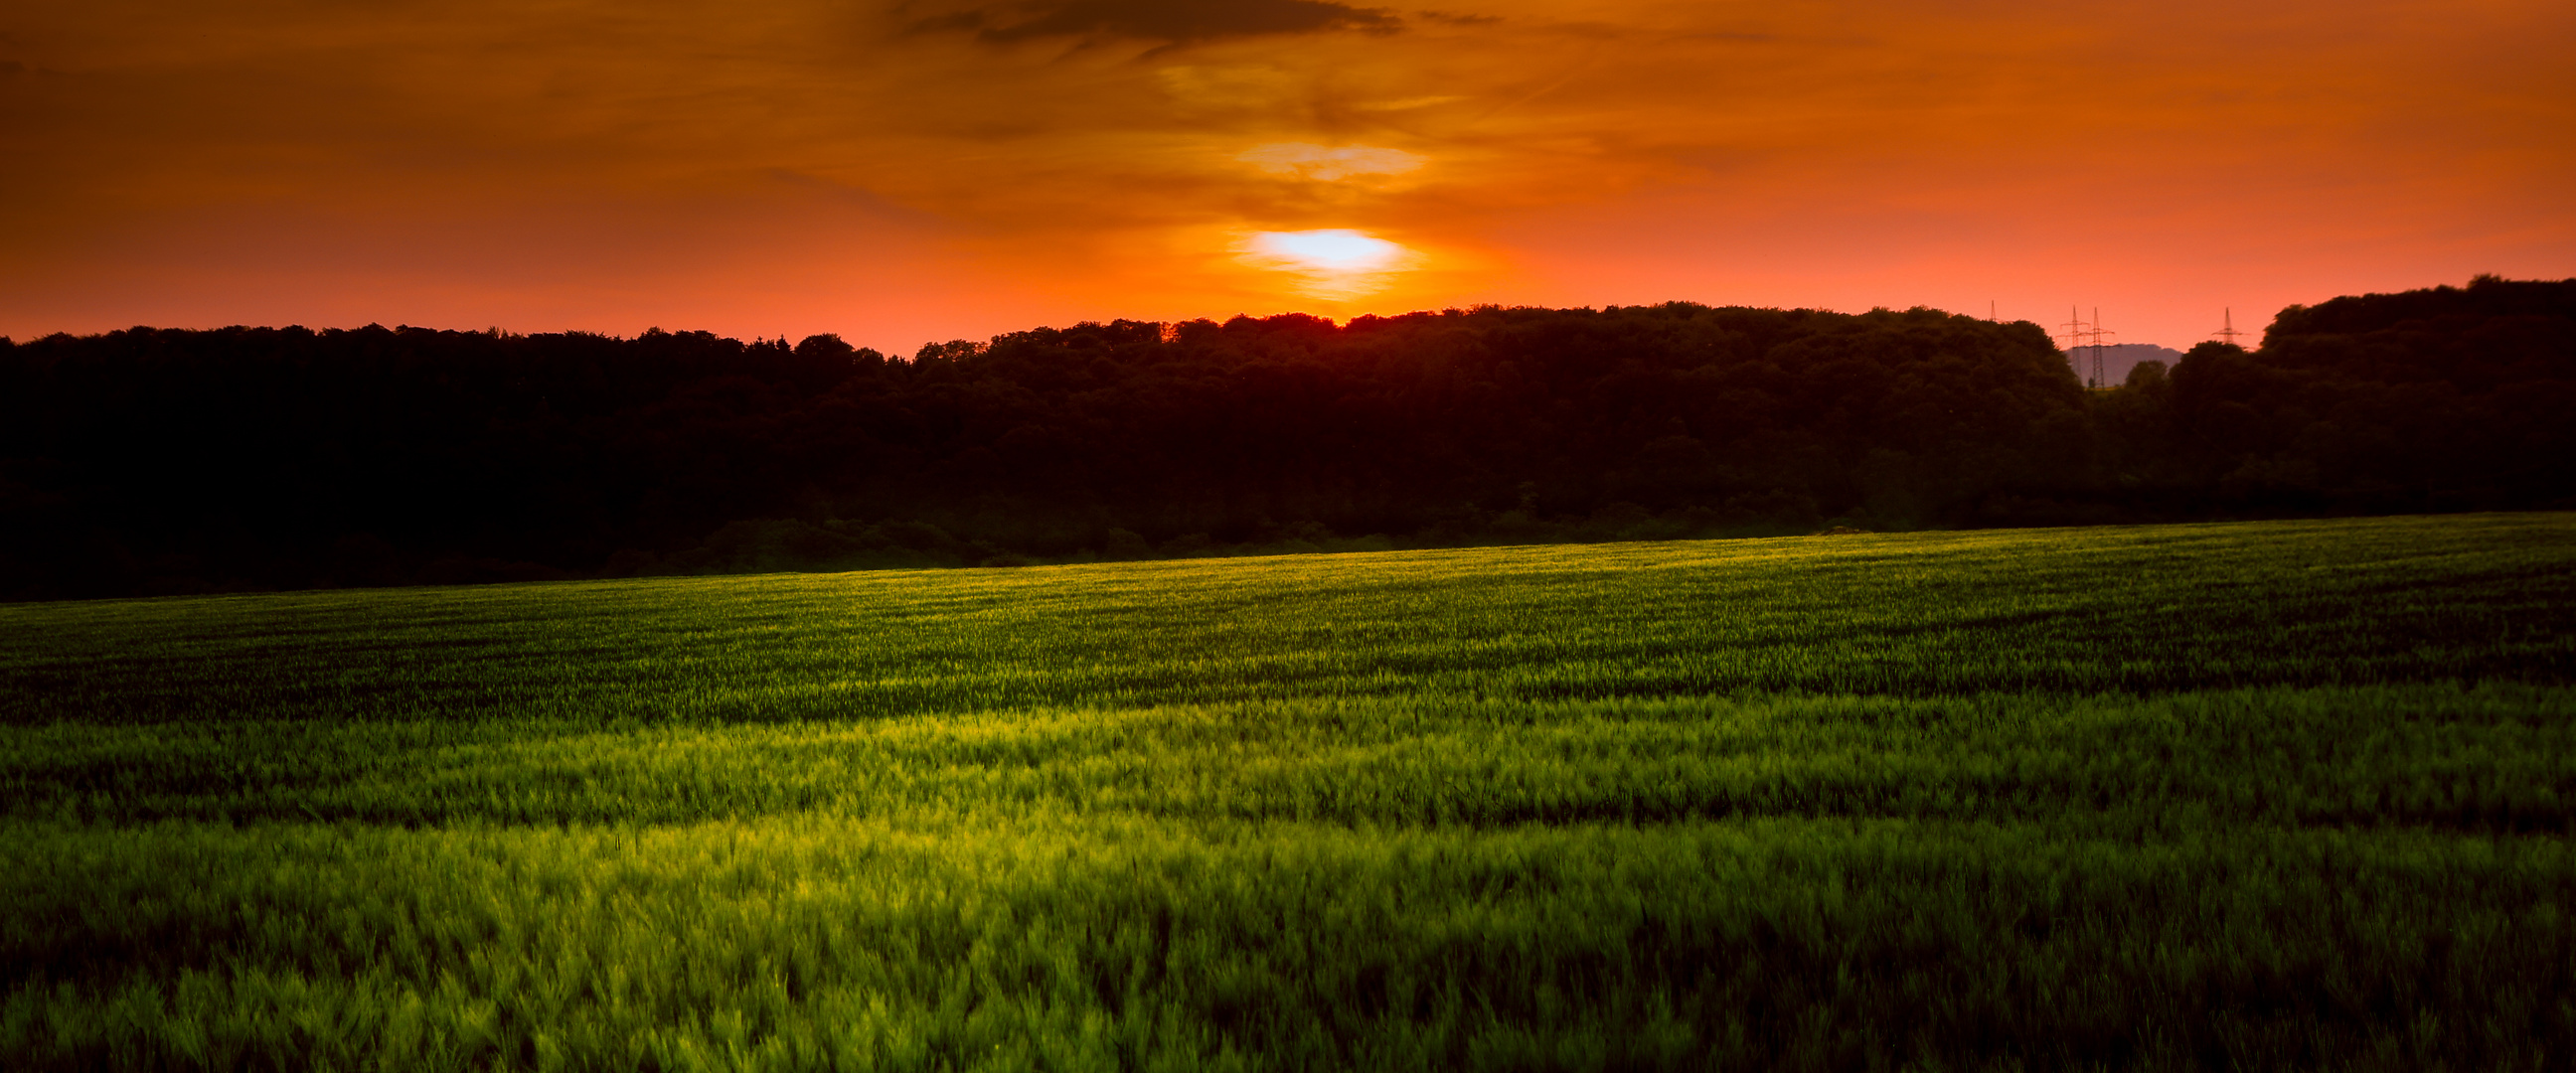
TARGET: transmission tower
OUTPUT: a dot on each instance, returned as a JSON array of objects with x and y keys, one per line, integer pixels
[
  {"x": 2098, "y": 333},
  {"x": 2228, "y": 333},
  {"x": 2075, "y": 327}
]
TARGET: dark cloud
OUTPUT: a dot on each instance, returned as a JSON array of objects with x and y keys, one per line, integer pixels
[{"x": 1174, "y": 21}]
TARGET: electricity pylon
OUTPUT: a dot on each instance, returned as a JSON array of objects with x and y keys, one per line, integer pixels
[
  {"x": 2229, "y": 333},
  {"x": 2098, "y": 333}
]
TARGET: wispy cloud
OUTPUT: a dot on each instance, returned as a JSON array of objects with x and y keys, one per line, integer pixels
[{"x": 1172, "y": 21}]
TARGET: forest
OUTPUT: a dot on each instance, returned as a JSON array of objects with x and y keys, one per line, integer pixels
[{"x": 154, "y": 461}]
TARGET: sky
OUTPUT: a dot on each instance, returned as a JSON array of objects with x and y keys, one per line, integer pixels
[{"x": 902, "y": 172}]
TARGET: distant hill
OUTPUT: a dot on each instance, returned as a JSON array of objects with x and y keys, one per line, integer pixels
[{"x": 2117, "y": 360}]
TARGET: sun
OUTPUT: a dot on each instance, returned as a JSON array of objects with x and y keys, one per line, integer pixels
[
  {"x": 1333, "y": 263},
  {"x": 1335, "y": 250}
]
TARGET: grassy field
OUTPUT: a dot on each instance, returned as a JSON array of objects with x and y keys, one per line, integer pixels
[{"x": 2276, "y": 795}]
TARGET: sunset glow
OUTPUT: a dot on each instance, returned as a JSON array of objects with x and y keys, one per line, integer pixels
[{"x": 934, "y": 169}]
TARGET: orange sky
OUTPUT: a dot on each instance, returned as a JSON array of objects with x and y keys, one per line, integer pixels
[{"x": 898, "y": 172}]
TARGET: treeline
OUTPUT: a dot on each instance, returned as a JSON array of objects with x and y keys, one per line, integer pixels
[{"x": 163, "y": 461}]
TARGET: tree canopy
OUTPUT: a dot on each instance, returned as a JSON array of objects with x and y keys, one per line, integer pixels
[{"x": 151, "y": 461}]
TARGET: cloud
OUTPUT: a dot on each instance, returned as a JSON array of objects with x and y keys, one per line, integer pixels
[
  {"x": 1173, "y": 21},
  {"x": 1316, "y": 163},
  {"x": 1408, "y": 104}
]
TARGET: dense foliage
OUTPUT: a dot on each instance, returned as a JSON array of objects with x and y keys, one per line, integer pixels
[
  {"x": 2276, "y": 795},
  {"x": 149, "y": 461},
  {"x": 2443, "y": 399}
]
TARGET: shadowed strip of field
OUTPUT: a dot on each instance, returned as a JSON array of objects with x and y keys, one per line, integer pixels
[{"x": 2133, "y": 610}]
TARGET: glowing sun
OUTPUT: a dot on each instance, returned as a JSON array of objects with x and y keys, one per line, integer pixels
[{"x": 1331, "y": 263}]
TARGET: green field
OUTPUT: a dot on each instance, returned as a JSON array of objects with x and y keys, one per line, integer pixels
[{"x": 2270, "y": 795}]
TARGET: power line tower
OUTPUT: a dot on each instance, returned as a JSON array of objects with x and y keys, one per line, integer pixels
[
  {"x": 2075, "y": 332},
  {"x": 2229, "y": 333},
  {"x": 2098, "y": 332}
]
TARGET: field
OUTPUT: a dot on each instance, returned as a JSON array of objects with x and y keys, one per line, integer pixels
[{"x": 2269, "y": 795}]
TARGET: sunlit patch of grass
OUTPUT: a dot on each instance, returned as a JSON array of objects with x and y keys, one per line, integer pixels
[{"x": 2490, "y": 758}]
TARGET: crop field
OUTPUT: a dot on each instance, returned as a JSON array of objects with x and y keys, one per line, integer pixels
[{"x": 2227, "y": 796}]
